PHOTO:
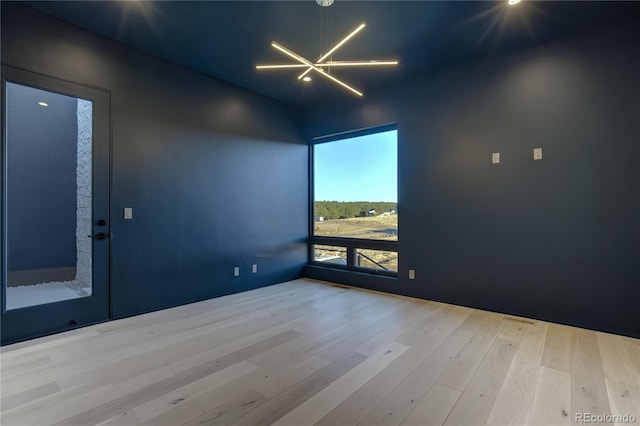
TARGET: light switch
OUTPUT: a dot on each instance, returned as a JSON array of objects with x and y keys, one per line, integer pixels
[
  {"x": 236, "y": 271},
  {"x": 128, "y": 213},
  {"x": 537, "y": 153},
  {"x": 495, "y": 158},
  {"x": 412, "y": 274},
  {"x": 254, "y": 268}
]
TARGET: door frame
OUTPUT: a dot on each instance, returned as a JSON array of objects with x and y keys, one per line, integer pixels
[{"x": 40, "y": 320}]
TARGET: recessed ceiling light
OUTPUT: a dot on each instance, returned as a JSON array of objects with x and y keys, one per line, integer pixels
[
  {"x": 513, "y": 2},
  {"x": 43, "y": 104},
  {"x": 306, "y": 78}
]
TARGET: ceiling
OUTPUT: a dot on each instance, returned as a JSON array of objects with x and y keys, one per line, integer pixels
[{"x": 226, "y": 39}]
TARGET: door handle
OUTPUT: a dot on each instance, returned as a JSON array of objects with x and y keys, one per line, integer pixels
[{"x": 100, "y": 236}]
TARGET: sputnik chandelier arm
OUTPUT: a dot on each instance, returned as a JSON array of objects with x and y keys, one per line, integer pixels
[
  {"x": 328, "y": 64},
  {"x": 334, "y": 48}
]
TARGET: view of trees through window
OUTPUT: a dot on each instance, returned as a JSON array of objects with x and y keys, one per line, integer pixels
[{"x": 355, "y": 191}]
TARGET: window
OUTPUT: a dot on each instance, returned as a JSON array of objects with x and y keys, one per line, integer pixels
[
  {"x": 330, "y": 255},
  {"x": 379, "y": 260},
  {"x": 355, "y": 217}
]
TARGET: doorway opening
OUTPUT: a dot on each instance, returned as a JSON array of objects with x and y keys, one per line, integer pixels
[{"x": 49, "y": 190}]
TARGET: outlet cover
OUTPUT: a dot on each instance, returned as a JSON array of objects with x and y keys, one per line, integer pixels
[
  {"x": 495, "y": 158},
  {"x": 537, "y": 153}
]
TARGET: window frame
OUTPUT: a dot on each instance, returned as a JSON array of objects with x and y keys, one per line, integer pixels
[{"x": 350, "y": 244}]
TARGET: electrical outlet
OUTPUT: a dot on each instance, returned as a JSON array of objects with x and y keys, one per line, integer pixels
[
  {"x": 412, "y": 274},
  {"x": 254, "y": 268},
  {"x": 537, "y": 153},
  {"x": 236, "y": 271},
  {"x": 495, "y": 158}
]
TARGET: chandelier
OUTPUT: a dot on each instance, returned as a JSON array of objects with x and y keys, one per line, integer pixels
[{"x": 324, "y": 63}]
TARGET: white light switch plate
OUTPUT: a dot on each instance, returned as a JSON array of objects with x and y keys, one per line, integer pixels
[
  {"x": 537, "y": 153},
  {"x": 495, "y": 158},
  {"x": 412, "y": 274},
  {"x": 236, "y": 271},
  {"x": 254, "y": 268},
  {"x": 128, "y": 213}
]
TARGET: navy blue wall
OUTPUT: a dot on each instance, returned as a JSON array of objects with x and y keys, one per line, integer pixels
[
  {"x": 216, "y": 175},
  {"x": 557, "y": 239},
  {"x": 41, "y": 185}
]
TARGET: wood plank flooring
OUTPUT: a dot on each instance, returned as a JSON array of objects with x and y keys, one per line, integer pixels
[{"x": 308, "y": 352}]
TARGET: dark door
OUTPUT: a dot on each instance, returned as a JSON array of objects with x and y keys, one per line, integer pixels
[{"x": 55, "y": 205}]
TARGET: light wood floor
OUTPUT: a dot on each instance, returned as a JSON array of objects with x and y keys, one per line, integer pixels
[{"x": 307, "y": 352}]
